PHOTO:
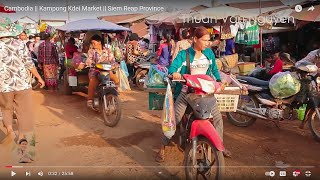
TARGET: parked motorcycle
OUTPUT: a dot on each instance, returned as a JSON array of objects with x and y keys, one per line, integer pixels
[
  {"x": 260, "y": 104},
  {"x": 141, "y": 69},
  {"x": 197, "y": 136}
]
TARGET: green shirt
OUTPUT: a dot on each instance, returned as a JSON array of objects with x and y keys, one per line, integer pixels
[{"x": 179, "y": 65}]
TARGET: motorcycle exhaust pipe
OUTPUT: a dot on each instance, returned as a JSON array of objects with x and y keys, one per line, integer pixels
[{"x": 251, "y": 114}]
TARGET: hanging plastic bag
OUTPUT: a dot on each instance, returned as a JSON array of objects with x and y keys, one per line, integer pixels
[
  {"x": 284, "y": 85},
  {"x": 124, "y": 83},
  {"x": 156, "y": 75},
  {"x": 118, "y": 54},
  {"x": 124, "y": 68},
  {"x": 168, "y": 114}
]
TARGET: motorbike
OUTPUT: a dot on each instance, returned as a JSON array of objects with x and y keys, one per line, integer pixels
[
  {"x": 198, "y": 138},
  {"x": 141, "y": 69},
  {"x": 106, "y": 100},
  {"x": 260, "y": 104}
]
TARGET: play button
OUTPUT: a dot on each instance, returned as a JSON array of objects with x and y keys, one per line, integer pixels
[{"x": 13, "y": 173}]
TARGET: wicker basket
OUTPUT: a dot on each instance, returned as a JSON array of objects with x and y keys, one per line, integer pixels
[
  {"x": 227, "y": 102},
  {"x": 232, "y": 60}
]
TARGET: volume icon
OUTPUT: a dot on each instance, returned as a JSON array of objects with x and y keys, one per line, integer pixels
[{"x": 40, "y": 173}]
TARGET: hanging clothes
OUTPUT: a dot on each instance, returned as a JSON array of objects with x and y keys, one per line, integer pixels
[
  {"x": 153, "y": 34},
  {"x": 225, "y": 30},
  {"x": 241, "y": 37},
  {"x": 252, "y": 30},
  {"x": 234, "y": 30}
]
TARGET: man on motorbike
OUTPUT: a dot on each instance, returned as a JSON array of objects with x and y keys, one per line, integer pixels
[
  {"x": 98, "y": 54},
  {"x": 202, "y": 61}
]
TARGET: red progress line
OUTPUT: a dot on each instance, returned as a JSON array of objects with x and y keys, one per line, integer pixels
[{"x": 14, "y": 166}]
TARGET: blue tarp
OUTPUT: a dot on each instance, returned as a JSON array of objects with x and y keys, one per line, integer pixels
[{"x": 92, "y": 24}]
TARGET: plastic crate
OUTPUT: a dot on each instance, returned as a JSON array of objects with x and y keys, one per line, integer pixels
[
  {"x": 156, "y": 101},
  {"x": 227, "y": 102}
]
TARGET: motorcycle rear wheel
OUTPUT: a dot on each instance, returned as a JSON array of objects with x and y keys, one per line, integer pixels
[
  {"x": 242, "y": 120},
  {"x": 314, "y": 124},
  {"x": 111, "y": 117},
  {"x": 204, "y": 166}
]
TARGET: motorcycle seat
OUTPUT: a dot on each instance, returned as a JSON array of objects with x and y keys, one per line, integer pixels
[{"x": 254, "y": 81}]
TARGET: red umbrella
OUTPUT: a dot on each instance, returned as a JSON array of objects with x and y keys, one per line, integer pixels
[
  {"x": 308, "y": 14},
  {"x": 4, "y": 10}
]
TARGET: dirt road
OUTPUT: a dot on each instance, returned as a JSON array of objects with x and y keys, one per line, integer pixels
[{"x": 71, "y": 137}]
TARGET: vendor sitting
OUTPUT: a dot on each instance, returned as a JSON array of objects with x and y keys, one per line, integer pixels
[
  {"x": 98, "y": 54},
  {"x": 273, "y": 66}
]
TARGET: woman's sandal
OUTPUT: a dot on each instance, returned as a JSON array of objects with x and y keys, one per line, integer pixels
[
  {"x": 227, "y": 153},
  {"x": 160, "y": 156},
  {"x": 90, "y": 104}
]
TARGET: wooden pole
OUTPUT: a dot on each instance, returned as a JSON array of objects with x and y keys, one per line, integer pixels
[{"x": 260, "y": 36}]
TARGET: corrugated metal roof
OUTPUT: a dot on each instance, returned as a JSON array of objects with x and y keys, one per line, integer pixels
[
  {"x": 118, "y": 18},
  {"x": 136, "y": 18}
]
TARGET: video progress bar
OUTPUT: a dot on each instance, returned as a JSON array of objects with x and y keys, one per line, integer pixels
[{"x": 284, "y": 167}]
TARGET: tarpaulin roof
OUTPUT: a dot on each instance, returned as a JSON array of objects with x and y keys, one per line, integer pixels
[
  {"x": 307, "y": 14},
  {"x": 166, "y": 17},
  {"x": 92, "y": 24},
  {"x": 219, "y": 12}
]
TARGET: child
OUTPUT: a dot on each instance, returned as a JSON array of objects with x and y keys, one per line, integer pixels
[{"x": 23, "y": 155}]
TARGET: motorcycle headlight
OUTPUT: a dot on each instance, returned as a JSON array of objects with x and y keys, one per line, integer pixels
[
  {"x": 104, "y": 73},
  {"x": 105, "y": 67}
]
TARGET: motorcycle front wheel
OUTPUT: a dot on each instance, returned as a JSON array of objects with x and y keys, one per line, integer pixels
[
  {"x": 209, "y": 161},
  {"x": 314, "y": 124},
  {"x": 239, "y": 119},
  {"x": 111, "y": 109}
]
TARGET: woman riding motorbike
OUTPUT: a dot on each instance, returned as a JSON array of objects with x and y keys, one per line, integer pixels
[
  {"x": 202, "y": 61},
  {"x": 98, "y": 54}
]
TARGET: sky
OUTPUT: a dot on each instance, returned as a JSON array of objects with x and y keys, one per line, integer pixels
[{"x": 166, "y": 5}]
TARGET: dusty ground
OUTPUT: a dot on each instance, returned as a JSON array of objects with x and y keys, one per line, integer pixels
[{"x": 72, "y": 138}]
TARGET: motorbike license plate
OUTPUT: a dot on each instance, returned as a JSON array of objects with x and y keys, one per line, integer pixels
[
  {"x": 184, "y": 88},
  {"x": 109, "y": 84}
]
